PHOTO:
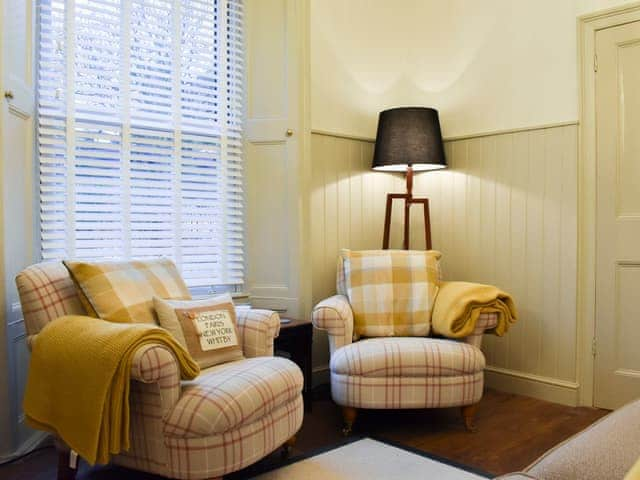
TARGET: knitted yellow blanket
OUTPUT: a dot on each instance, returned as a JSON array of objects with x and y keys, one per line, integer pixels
[
  {"x": 78, "y": 382},
  {"x": 459, "y": 304}
]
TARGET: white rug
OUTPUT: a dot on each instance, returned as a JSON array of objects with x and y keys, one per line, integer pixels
[{"x": 368, "y": 459}]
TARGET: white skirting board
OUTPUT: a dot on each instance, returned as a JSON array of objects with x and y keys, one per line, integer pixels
[{"x": 543, "y": 388}]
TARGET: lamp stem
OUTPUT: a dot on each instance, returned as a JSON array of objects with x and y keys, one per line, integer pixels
[
  {"x": 408, "y": 200},
  {"x": 407, "y": 207}
]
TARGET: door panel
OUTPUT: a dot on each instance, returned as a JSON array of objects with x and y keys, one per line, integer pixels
[
  {"x": 275, "y": 104},
  {"x": 628, "y": 197},
  {"x": 617, "y": 372}
]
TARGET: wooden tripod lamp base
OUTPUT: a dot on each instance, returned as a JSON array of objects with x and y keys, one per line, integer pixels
[
  {"x": 408, "y": 139},
  {"x": 408, "y": 201}
]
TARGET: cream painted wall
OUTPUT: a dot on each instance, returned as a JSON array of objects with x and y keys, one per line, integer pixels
[{"x": 490, "y": 65}]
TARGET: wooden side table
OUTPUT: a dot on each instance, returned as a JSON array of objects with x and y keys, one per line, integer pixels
[{"x": 295, "y": 340}]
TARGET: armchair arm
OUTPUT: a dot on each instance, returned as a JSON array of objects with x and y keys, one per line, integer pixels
[
  {"x": 157, "y": 378},
  {"x": 486, "y": 321},
  {"x": 257, "y": 329},
  {"x": 334, "y": 315}
]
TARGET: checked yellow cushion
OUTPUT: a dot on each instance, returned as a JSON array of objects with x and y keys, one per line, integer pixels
[
  {"x": 391, "y": 292},
  {"x": 123, "y": 291}
]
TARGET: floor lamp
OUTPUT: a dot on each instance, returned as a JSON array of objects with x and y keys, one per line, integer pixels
[{"x": 408, "y": 140}]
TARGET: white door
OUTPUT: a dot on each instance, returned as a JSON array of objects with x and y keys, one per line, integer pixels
[
  {"x": 17, "y": 193},
  {"x": 275, "y": 147},
  {"x": 617, "y": 362}
]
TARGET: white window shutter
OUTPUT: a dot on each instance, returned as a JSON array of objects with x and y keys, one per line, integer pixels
[{"x": 140, "y": 133}]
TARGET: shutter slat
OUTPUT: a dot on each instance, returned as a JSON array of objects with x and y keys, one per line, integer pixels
[{"x": 144, "y": 156}]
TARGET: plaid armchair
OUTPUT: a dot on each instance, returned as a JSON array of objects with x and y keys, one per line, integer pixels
[
  {"x": 230, "y": 416},
  {"x": 399, "y": 372}
]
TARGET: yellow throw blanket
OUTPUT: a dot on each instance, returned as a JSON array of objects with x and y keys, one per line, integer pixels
[
  {"x": 459, "y": 304},
  {"x": 79, "y": 376}
]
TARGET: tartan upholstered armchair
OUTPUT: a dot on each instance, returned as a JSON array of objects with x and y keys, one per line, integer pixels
[
  {"x": 398, "y": 372},
  {"x": 230, "y": 416}
]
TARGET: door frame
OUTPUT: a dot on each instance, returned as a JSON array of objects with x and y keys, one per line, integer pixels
[{"x": 588, "y": 26}]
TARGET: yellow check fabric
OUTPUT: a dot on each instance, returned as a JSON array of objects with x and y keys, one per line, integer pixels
[
  {"x": 123, "y": 291},
  {"x": 391, "y": 292}
]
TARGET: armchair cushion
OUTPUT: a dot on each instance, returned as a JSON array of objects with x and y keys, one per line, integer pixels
[
  {"x": 206, "y": 328},
  {"x": 227, "y": 396},
  {"x": 391, "y": 292},
  {"x": 407, "y": 357},
  {"x": 123, "y": 291}
]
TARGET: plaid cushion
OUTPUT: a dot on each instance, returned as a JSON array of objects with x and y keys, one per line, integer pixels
[
  {"x": 124, "y": 291},
  {"x": 406, "y": 392},
  {"x": 46, "y": 293},
  {"x": 391, "y": 292},
  {"x": 227, "y": 396},
  {"x": 407, "y": 357}
]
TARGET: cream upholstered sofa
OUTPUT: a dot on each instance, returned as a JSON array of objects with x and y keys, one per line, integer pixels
[
  {"x": 230, "y": 416},
  {"x": 605, "y": 450},
  {"x": 399, "y": 372}
]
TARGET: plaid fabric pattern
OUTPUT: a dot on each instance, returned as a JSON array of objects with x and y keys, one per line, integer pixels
[
  {"x": 217, "y": 455},
  {"x": 406, "y": 392},
  {"x": 334, "y": 315},
  {"x": 154, "y": 364},
  {"x": 391, "y": 292},
  {"x": 46, "y": 293},
  {"x": 154, "y": 392},
  {"x": 198, "y": 456},
  {"x": 395, "y": 372},
  {"x": 124, "y": 291},
  {"x": 226, "y": 396},
  {"x": 486, "y": 321},
  {"x": 257, "y": 329},
  {"x": 407, "y": 357}
]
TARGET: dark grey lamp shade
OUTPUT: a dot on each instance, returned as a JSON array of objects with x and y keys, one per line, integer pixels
[{"x": 409, "y": 136}]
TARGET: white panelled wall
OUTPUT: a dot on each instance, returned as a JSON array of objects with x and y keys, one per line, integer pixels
[{"x": 504, "y": 213}]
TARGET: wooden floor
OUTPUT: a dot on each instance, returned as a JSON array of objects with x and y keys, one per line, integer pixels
[{"x": 512, "y": 432}]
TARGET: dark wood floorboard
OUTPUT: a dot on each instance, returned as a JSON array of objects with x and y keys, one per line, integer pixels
[{"x": 512, "y": 432}]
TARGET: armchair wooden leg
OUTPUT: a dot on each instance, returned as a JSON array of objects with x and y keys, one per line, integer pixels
[
  {"x": 468, "y": 413},
  {"x": 287, "y": 448},
  {"x": 67, "y": 462},
  {"x": 349, "y": 415}
]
